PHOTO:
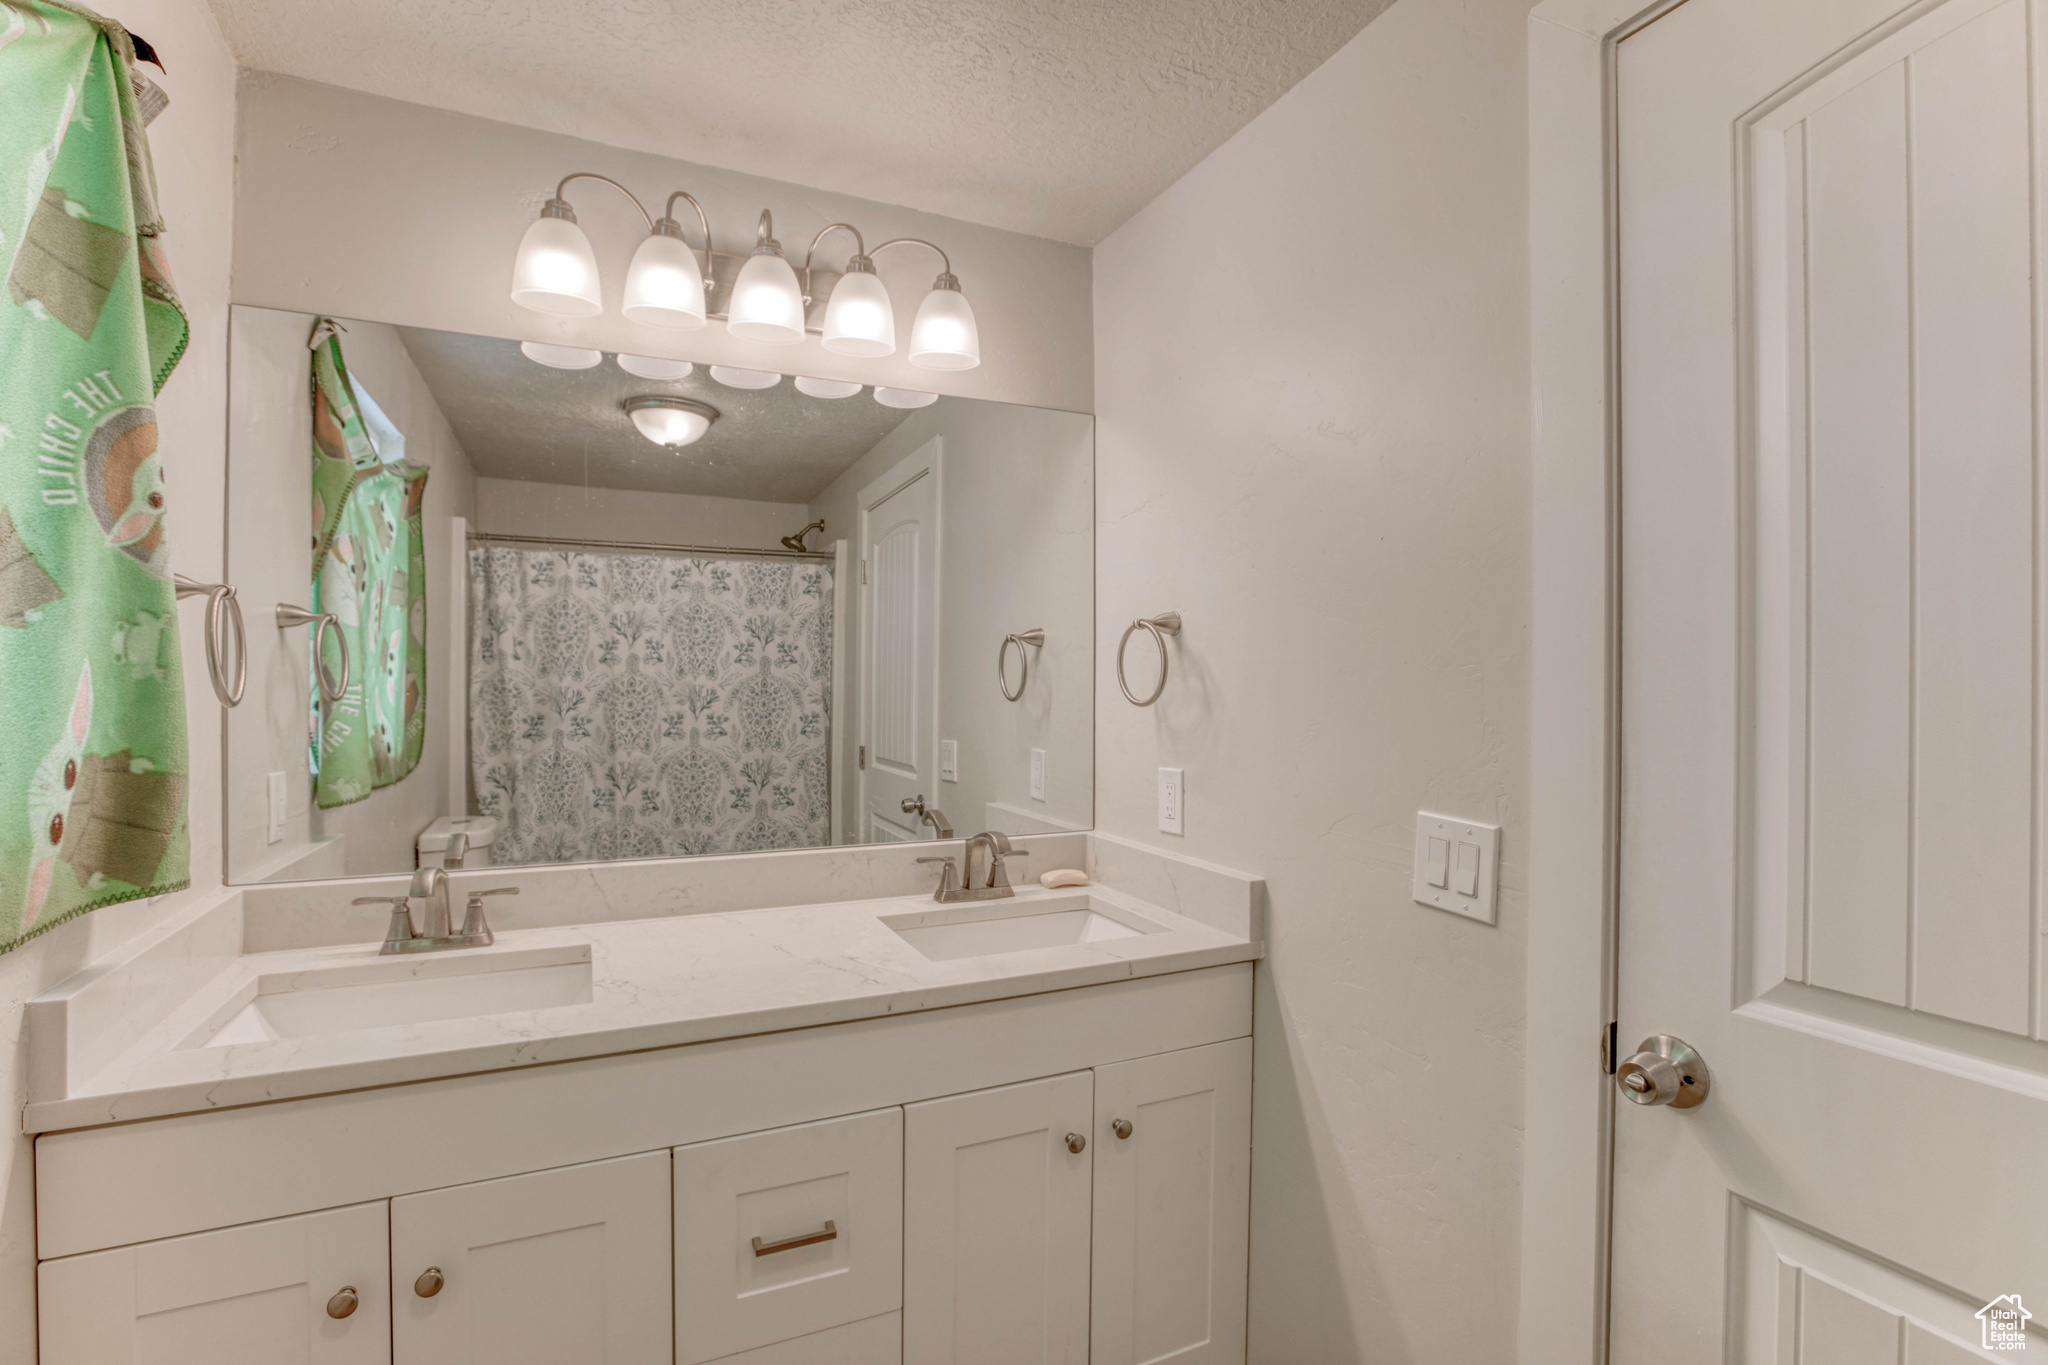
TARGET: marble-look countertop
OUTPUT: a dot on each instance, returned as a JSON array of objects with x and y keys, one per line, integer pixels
[{"x": 654, "y": 983}]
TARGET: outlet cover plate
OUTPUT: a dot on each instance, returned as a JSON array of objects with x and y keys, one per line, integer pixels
[
  {"x": 1457, "y": 866},
  {"x": 278, "y": 806},
  {"x": 949, "y": 760},
  {"x": 1173, "y": 792},
  {"x": 1038, "y": 774}
]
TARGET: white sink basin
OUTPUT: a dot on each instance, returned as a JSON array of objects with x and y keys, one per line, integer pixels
[
  {"x": 401, "y": 991},
  {"x": 1008, "y": 926}
]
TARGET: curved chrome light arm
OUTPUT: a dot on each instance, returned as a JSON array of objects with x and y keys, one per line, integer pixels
[
  {"x": 558, "y": 207},
  {"x": 668, "y": 226},
  {"x": 946, "y": 280},
  {"x": 858, "y": 262}
]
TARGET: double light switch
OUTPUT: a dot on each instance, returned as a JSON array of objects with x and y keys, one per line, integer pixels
[{"x": 1457, "y": 866}]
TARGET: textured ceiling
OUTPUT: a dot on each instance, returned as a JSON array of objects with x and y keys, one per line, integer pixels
[
  {"x": 519, "y": 420},
  {"x": 1054, "y": 117}
]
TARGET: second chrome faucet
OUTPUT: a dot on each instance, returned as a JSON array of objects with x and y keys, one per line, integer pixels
[
  {"x": 996, "y": 884},
  {"x": 431, "y": 885}
]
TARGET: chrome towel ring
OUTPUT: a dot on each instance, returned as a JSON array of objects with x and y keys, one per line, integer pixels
[
  {"x": 223, "y": 621},
  {"x": 1036, "y": 639},
  {"x": 321, "y": 621},
  {"x": 1165, "y": 624}
]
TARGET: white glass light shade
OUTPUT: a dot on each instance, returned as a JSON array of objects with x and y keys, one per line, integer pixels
[
  {"x": 826, "y": 388},
  {"x": 664, "y": 287},
  {"x": 767, "y": 304},
  {"x": 860, "y": 320},
  {"x": 735, "y": 378},
  {"x": 556, "y": 271},
  {"x": 654, "y": 367},
  {"x": 904, "y": 398},
  {"x": 944, "y": 335},
  {"x": 560, "y": 357},
  {"x": 670, "y": 422}
]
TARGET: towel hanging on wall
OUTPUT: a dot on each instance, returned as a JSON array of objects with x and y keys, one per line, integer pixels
[{"x": 93, "y": 763}]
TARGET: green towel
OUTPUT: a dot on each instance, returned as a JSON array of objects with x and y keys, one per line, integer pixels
[
  {"x": 369, "y": 569},
  {"x": 92, "y": 703}
]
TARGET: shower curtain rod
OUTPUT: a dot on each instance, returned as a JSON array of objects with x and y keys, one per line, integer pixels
[{"x": 710, "y": 551}]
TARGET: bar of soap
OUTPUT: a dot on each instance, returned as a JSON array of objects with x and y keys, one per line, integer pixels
[{"x": 1064, "y": 876}]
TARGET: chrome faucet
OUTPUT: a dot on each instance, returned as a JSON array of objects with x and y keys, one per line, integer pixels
[
  {"x": 996, "y": 886},
  {"x": 436, "y": 934}
]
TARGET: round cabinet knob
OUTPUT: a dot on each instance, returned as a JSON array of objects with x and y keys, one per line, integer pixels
[
  {"x": 343, "y": 1303},
  {"x": 1076, "y": 1143},
  {"x": 1121, "y": 1127},
  {"x": 1664, "y": 1070},
  {"x": 429, "y": 1283}
]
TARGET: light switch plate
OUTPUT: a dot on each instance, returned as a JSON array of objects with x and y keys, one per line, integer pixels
[
  {"x": 1038, "y": 774},
  {"x": 1172, "y": 798},
  {"x": 279, "y": 802},
  {"x": 1457, "y": 866},
  {"x": 949, "y": 760}
]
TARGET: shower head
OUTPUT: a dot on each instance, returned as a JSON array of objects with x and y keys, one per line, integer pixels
[{"x": 796, "y": 542}]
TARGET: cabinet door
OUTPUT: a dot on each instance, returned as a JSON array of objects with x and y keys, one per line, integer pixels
[
  {"x": 995, "y": 1226},
  {"x": 251, "y": 1295},
  {"x": 563, "y": 1265},
  {"x": 1171, "y": 1205}
]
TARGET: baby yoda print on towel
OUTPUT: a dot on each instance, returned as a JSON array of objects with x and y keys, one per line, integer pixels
[
  {"x": 92, "y": 705},
  {"x": 369, "y": 569}
]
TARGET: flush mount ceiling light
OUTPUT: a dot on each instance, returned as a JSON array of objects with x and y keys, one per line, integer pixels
[
  {"x": 904, "y": 398},
  {"x": 560, "y": 357},
  {"x": 734, "y": 378},
  {"x": 671, "y": 284},
  {"x": 670, "y": 421},
  {"x": 654, "y": 367},
  {"x": 826, "y": 388}
]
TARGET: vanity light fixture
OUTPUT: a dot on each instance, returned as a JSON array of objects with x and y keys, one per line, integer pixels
[
  {"x": 767, "y": 304},
  {"x": 734, "y": 378},
  {"x": 826, "y": 388},
  {"x": 904, "y": 398},
  {"x": 664, "y": 284},
  {"x": 943, "y": 336},
  {"x": 670, "y": 421},
  {"x": 654, "y": 367},
  {"x": 859, "y": 318},
  {"x": 560, "y": 357},
  {"x": 556, "y": 271}
]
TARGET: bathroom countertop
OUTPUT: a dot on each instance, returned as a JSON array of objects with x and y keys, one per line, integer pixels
[{"x": 653, "y": 983}]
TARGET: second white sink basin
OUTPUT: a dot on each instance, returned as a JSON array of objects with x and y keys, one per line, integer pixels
[
  {"x": 395, "y": 990},
  {"x": 1008, "y": 926}
]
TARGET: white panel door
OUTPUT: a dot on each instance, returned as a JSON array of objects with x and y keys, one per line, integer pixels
[
  {"x": 995, "y": 1225},
  {"x": 899, "y": 538},
  {"x": 1831, "y": 810},
  {"x": 564, "y": 1265},
  {"x": 1173, "y": 1159},
  {"x": 260, "y": 1294}
]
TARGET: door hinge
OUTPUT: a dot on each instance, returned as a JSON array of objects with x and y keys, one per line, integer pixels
[
  {"x": 1609, "y": 1041},
  {"x": 863, "y": 568},
  {"x": 863, "y": 757}
]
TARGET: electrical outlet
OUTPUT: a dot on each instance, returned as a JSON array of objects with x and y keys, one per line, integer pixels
[
  {"x": 1457, "y": 866},
  {"x": 1172, "y": 797},
  {"x": 280, "y": 800},
  {"x": 949, "y": 760},
  {"x": 1038, "y": 774}
]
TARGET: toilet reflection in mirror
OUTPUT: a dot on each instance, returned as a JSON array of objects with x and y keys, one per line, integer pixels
[{"x": 587, "y": 614}]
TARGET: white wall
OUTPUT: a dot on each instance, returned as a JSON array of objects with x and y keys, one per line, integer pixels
[
  {"x": 360, "y": 206},
  {"x": 1016, "y": 505},
  {"x": 270, "y": 430},
  {"x": 1322, "y": 462},
  {"x": 193, "y": 143},
  {"x": 512, "y": 507}
]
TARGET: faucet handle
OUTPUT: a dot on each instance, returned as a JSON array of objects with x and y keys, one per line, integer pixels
[
  {"x": 473, "y": 925},
  {"x": 400, "y": 930},
  {"x": 948, "y": 875}
]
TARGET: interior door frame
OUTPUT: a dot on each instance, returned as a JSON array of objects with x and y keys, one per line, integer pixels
[
  {"x": 1574, "y": 335},
  {"x": 927, "y": 460}
]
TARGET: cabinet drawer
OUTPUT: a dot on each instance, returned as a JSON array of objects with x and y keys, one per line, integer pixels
[
  {"x": 251, "y": 1295},
  {"x": 875, "y": 1341},
  {"x": 785, "y": 1233}
]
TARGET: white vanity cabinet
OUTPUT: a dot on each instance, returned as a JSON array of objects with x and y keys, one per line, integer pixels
[{"x": 250, "y": 1295}]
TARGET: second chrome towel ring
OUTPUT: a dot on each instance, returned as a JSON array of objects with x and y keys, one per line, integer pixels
[
  {"x": 223, "y": 626},
  {"x": 1036, "y": 639},
  {"x": 1165, "y": 624},
  {"x": 321, "y": 621}
]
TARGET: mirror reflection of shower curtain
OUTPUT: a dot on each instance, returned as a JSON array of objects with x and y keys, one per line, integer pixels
[{"x": 647, "y": 705}]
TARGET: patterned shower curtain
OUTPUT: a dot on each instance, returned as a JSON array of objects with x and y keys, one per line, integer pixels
[{"x": 639, "y": 706}]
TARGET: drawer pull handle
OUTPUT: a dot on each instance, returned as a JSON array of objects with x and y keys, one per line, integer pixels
[
  {"x": 343, "y": 1303},
  {"x": 1076, "y": 1143},
  {"x": 830, "y": 1234},
  {"x": 429, "y": 1283},
  {"x": 1122, "y": 1128}
]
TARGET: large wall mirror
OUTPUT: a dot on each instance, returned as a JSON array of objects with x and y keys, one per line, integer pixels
[{"x": 532, "y": 626}]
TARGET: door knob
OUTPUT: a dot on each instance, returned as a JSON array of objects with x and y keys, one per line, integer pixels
[
  {"x": 429, "y": 1283},
  {"x": 1664, "y": 1070},
  {"x": 343, "y": 1303}
]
